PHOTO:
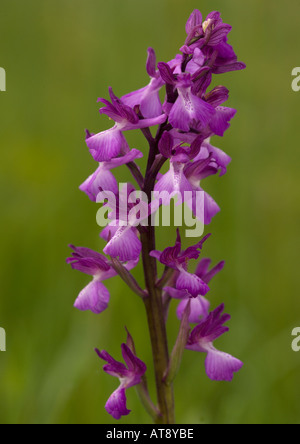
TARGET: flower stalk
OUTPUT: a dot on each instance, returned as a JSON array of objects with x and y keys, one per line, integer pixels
[{"x": 158, "y": 334}]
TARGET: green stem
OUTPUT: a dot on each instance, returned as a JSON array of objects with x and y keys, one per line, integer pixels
[
  {"x": 154, "y": 301},
  {"x": 147, "y": 403},
  {"x": 157, "y": 328}
]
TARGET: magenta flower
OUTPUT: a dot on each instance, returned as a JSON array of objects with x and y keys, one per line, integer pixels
[
  {"x": 103, "y": 179},
  {"x": 200, "y": 305},
  {"x": 174, "y": 258},
  {"x": 148, "y": 98},
  {"x": 220, "y": 121},
  {"x": 112, "y": 143},
  {"x": 188, "y": 109},
  {"x": 95, "y": 297},
  {"x": 188, "y": 167},
  {"x": 122, "y": 234},
  {"x": 211, "y": 37},
  {"x": 129, "y": 376},
  {"x": 219, "y": 365},
  {"x": 175, "y": 181}
]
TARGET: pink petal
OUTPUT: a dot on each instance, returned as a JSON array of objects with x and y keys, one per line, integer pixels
[
  {"x": 116, "y": 404},
  {"x": 107, "y": 145},
  {"x": 94, "y": 297},
  {"x": 124, "y": 245},
  {"x": 192, "y": 283},
  {"x": 221, "y": 366}
]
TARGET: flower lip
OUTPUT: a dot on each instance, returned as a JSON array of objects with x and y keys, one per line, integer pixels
[
  {"x": 220, "y": 366},
  {"x": 129, "y": 375}
]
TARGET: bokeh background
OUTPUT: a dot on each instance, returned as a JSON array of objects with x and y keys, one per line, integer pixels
[{"x": 60, "y": 56}]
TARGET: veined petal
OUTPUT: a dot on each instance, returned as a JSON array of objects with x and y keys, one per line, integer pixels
[
  {"x": 173, "y": 182},
  {"x": 220, "y": 121},
  {"x": 147, "y": 98},
  {"x": 221, "y": 366},
  {"x": 94, "y": 297},
  {"x": 101, "y": 179},
  {"x": 217, "y": 96},
  {"x": 116, "y": 404},
  {"x": 194, "y": 21},
  {"x": 124, "y": 245},
  {"x": 192, "y": 283},
  {"x": 189, "y": 110},
  {"x": 107, "y": 145},
  {"x": 219, "y": 34}
]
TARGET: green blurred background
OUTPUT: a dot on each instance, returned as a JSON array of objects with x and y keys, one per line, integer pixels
[{"x": 60, "y": 56}]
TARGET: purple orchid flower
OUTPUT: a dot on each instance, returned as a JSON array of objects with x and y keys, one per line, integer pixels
[
  {"x": 95, "y": 297},
  {"x": 195, "y": 65},
  {"x": 220, "y": 121},
  {"x": 148, "y": 98},
  {"x": 200, "y": 305},
  {"x": 215, "y": 31},
  {"x": 188, "y": 166},
  {"x": 103, "y": 179},
  {"x": 122, "y": 234},
  {"x": 211, "y": 38},
  {"x": 129, "y": 376},
  {"x": 109, "y": 144},
  {"x": 218, "y": 160},
  {"x": 188, "y": 109},
  {"x": 209, "y": 161},
  {"x": 219, "y": 365},
  {"x": 174, "y": 258},
  {"x": 174, "y": 181}
]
